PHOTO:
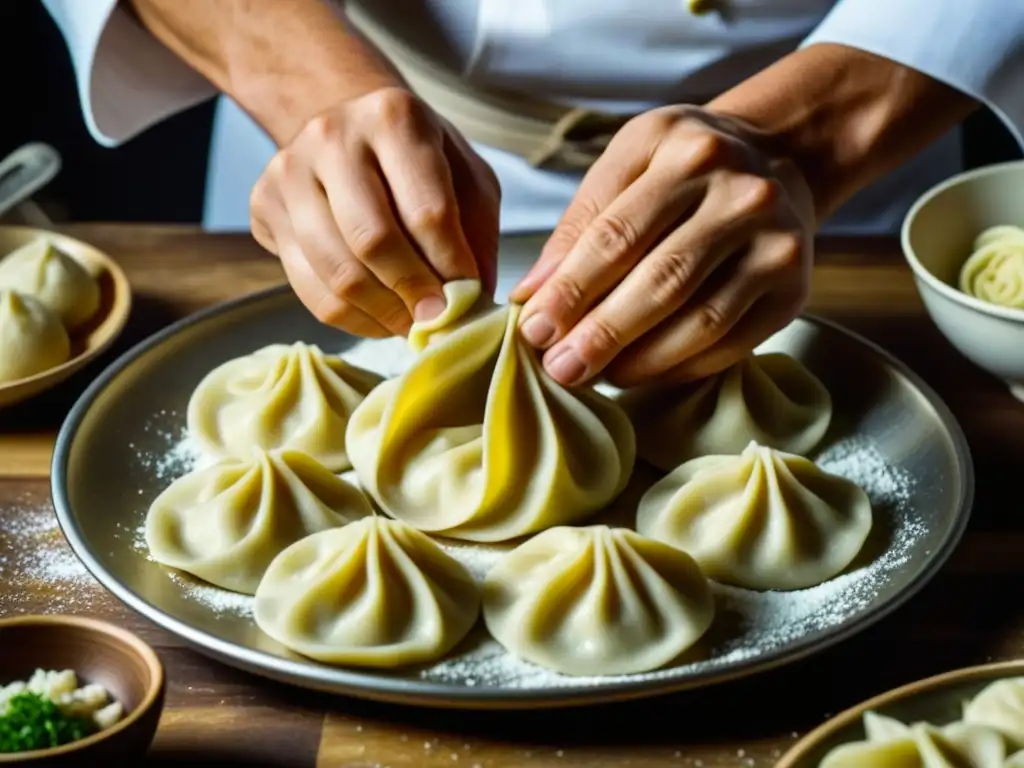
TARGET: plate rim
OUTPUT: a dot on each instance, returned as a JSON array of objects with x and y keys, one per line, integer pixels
[
  {"x": 922, "y": 685},
  {"x": 426, "y": 693}
]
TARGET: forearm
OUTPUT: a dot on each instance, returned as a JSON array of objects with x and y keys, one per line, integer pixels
[
  {"x": 845, "y": 117},
  {"x": 283, "y": 61}
]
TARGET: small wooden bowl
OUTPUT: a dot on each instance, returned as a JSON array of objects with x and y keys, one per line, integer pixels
[
  {"x": 101, "y": 330},
  {"x": 98, "y": 652},
  {"x": 938, "y": 700}
]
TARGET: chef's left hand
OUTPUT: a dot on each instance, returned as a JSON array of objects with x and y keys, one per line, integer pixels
[{"x": 688, "y": 243}]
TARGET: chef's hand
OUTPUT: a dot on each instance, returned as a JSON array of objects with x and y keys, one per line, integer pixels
[
  {"x": 686, "y": 245},
  {"x": 372, "y": 207}
]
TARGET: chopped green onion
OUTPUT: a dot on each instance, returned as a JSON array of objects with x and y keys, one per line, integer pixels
[{"x": 32, "y": 722}]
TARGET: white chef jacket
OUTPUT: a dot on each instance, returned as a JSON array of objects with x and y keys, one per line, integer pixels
[{"x": 621, "y": 56}]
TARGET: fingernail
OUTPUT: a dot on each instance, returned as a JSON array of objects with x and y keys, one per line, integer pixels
[
  {"x": 538, "y": 330},
  {"x": 565, "y": 367},
  {"x": 429, "y": 308}
]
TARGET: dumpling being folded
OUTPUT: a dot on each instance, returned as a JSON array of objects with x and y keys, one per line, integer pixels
[
  {"x": 1000, "y": 705},
  {"x": 772, "y": 399},
  {"x": 32, "y": 340},
  {"x": 475, "y": 442},
  {"x": 597, "y": 601},
  {"x": 376, "y": 593},
  {"x": 281, "y": 396},
  {"x": 226, "y": 522},
  {"x": 762, "y": 520},
  {"x": 60, "y": 282},
  {"x": 892, "y": 744}
]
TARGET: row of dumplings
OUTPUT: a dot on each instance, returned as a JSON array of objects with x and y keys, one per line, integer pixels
[
  {"x": 45, "y": 295},
  {"x": 990, "y": 734},
  {"x": 473, "y": 442}
]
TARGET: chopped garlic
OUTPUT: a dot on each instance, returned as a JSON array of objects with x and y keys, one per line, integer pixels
[{"x": 91, "y": 700}]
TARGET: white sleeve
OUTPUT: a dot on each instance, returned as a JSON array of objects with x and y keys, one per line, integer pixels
[
  {"x": 127, "y": 79},
  {"x": 975, "y": 46}
]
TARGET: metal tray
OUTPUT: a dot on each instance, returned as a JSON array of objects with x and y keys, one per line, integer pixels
[{"x": 890, "y": 431}]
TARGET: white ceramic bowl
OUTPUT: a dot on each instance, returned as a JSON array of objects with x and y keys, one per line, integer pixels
[{"x": 937, "y": 239}]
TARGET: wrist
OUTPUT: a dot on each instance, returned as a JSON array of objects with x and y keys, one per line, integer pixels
[
  {"x": 844, "y": 117},
  {"x": 283, "y": 62}
]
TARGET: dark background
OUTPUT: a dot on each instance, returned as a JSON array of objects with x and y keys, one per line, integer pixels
[{"x": 159, "y": 175}]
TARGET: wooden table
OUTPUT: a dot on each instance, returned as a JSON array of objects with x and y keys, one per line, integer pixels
[{"x": 969, "y": 614}]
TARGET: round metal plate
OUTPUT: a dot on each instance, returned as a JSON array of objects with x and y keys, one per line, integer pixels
[{"x": 102, "y": 489}]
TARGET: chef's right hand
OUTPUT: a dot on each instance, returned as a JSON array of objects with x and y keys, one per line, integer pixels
[{"x": 372, "y": 208}]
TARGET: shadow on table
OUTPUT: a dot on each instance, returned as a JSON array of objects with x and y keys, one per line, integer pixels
[{"x": 172, "y": 758}]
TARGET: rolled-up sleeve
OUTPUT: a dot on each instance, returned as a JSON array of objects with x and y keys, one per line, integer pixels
[
  {"x": 127, "y": 79},
  {"x": 976, "y": 47}
]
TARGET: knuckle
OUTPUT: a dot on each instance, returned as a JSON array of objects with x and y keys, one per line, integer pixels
[
  {"x": 708, "y": 149},
  {"x": 324, "y": 128},
  {"x": 673, "y": 275},
  {"x": 786, "y": 252},
  {"x": 414, "y": 286},
  {"x": 757, "y": 194},
  {"x": 710, "y": 318},
  {"x": 329, "y": 311},
  {"x": 347, "y": 280},
  {"x": 613, "y": 236},
  {"x": 394, "y": 107},
  {"x": 600, "y": 339},
  {"x": 431, "y": 216},
  {"x": 565, "y": 294},
  {"x": 370, "y": 240}
]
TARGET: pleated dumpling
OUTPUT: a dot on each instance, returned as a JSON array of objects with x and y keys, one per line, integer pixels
[
  {"x": 761, "y": 520},
  {"x": 57, "y": 280},
  {"x": 772, "y": 399},
  {"x": 32, "y": 339},
  {"x": 226, "y": 522},
  {"x": 892, "y": 744},
  {"x": 597, "y": 601},
  {"x": 476, "y": 442},
  {"x": 376, "y": 593},
  {"x": 1000, "y": 705},
  {"x": 281, "y": 396}
]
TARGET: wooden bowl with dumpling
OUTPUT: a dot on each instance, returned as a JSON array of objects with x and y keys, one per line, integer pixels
[
  {"x": 970, "y": 716},
  {"x": 62, "y": 303}
]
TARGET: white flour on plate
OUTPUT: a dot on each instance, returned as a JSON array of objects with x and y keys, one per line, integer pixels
[{"x": 758, "y": 623}]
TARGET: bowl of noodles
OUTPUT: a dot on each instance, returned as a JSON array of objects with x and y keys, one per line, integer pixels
[{"x": 964, "y": 241}]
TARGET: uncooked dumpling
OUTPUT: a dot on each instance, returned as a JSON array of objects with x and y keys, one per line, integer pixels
[
  {"x": 1001, "y": 706},
  {"x": 32, "y": 339},
  {"x": 892, "y": 744},
  {"x": 376, "y": 593},
  {"x": 225, "y": 523},
  {"x": 597, "y": 601},
  {"x": 56, "y": 279},
  {"x": 772, "y": 399},
  {"x": 281, "y": 396},
  {"x": 761, "y": 520},
  {"x": 476, "y": 442}
]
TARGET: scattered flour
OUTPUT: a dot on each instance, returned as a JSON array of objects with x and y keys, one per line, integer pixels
[
  {"x": 37, "y": 564},
  {"x": 756, "y": 623},
  {"x": 760, "y": 623}
]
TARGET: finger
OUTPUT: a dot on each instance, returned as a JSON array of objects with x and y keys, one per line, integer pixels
[
  {"x": 360, "y": 208},
  {"x": 763, "y": 319},
  {"x": 616, "y": 169},
  {"x": 598, "y": 340},
  {"x": 712, "y": 315},
  {"x": 609, "y": 249},
  {"x": 325, "y": 306},
  {"x": 315, "y": 232},
  {"x": 421, "y": 184},
  {"x": 479, "y": 196}
]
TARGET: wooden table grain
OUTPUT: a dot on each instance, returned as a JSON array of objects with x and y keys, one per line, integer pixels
[{"x": 971, "y": 613}]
